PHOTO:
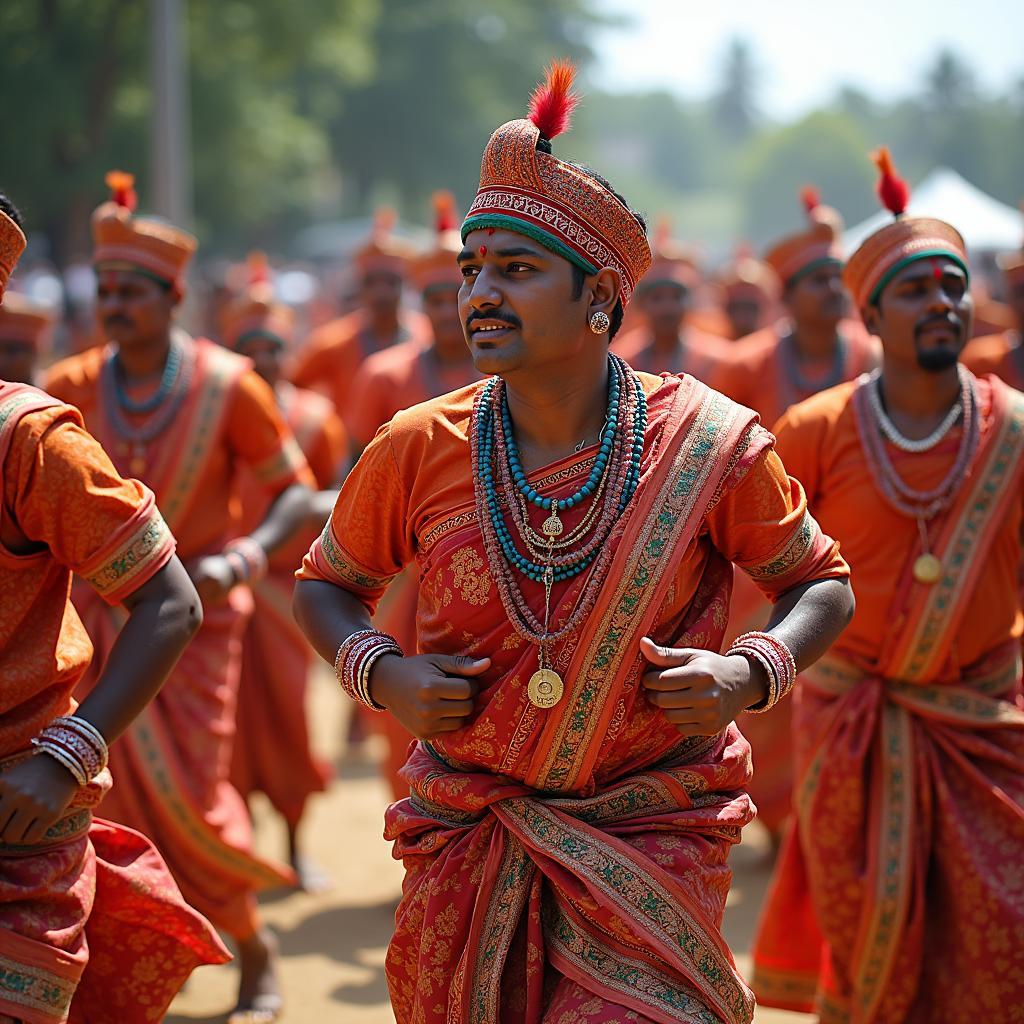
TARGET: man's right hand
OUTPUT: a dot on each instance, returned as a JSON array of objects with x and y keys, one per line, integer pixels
[{"x": 429, "y": 693}]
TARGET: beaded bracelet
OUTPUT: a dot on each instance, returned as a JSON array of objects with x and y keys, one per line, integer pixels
[
  {"x": 355, "y": 660},
  {"x": 777, "y": 660},
  {"x": 76, "y": 744},
  {"x": 247, "y": 558}
]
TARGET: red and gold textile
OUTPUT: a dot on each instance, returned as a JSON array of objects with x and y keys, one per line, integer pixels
[
  {"x": 89, "y": 918},
  {"x": 586, "y": 843},
  {"x": 173, "y": 763},
  {"x": 271, "y": 752},
  {"x": 12, "y": 245},
  {"x": 124, "y": 241},
  {"x": 554, "y": 202},
  {"x": 892, "y": 902}
]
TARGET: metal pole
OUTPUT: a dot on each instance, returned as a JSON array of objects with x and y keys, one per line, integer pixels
[{"x": 171, "y": 134}]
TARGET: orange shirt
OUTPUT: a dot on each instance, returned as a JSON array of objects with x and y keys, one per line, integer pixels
[
  {"x": 329, "y": 362},
  {"x": 699, "y": 354},
  {"x": 192, "y": 465},
  {"x": 397, "y": 378},
  {"x": 414, "y": 483},
  {"x": 64, "y": 509},
  {"x": 759, "y": 377},
  {"x": 1001, "y": 354},
  {"x": 819, "y": 442}
]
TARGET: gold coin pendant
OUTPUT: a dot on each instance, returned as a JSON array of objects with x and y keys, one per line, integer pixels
[
  {"x": 927, "y": 569},
  {"x": 545, "y": 688},
  {"x": 552, "y": 526}
]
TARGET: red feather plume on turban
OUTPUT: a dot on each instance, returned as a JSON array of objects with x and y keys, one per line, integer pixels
[
  {"x": 892, "y": 190},
  {"x": 552, "y": 102},
  {"x": 122, "y": 189},
  {"x": 811, "y": 198}
]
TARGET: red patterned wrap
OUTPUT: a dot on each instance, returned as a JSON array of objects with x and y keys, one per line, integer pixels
[{"x": 12, "y": 245}]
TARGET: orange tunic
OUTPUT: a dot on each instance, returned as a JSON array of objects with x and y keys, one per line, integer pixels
[
  {"x": 389, "y": 381},
  {"x": 271, "y": 751},
  {"x": 892, "y": 901},
  {"x": 524, "y": 813},
  {"x": 67, "y": 906},
  {"x": 176, "y": 757},
  {"x": 1001, "y": 354},
  {"x": 335, "y": 351}
]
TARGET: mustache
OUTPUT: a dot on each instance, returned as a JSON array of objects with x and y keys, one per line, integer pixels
[
  {"x": 942, "y": 320},
  {"x": 506, "y": 318},
  {"x": 117, "y": 318}
]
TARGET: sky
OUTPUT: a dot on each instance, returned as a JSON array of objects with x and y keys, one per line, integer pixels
[{"x": 806, "y": 49}]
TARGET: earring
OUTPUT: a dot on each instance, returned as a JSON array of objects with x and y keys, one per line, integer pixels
[{"x": 599, "y": 322}]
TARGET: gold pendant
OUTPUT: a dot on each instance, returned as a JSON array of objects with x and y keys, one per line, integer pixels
[
  {"x": 927, "y": 569},
  {"x": 137, "y": 465},
  {"x": 552, "y": 526},
  {"x": 545, "y": 688}
]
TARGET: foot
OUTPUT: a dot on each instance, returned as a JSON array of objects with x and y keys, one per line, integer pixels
[
  {"x": 259, "y": 991},
  {"x": 311, "y": 877}
]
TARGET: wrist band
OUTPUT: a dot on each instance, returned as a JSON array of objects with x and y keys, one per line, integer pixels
[
  {"x": 777, "y": 660},
  {"x": 76, "y": 744},
  {"x": 355, "y": 660},
  {"x": 247, "y": 558}
]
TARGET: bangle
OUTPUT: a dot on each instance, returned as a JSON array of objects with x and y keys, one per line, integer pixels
[
  {"x": 356, "y": 657},
  {"x": 777, "y": 660},
  {"x": 76, "y": 744},
  {"x": 248, "y": 559}
]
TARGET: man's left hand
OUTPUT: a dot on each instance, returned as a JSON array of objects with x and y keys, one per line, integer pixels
[
  {"x": 214, "y": 578},
  {"x": 700, "y": 692}
]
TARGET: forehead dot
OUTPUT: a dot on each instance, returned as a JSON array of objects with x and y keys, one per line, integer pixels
[
  {"x": 491, "y": 231},
  {"x": 937, "y": 270},
  {"x": 483, "y": 250}
]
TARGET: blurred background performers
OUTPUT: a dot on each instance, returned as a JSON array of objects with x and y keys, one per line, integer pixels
[
  {"x": 558, "y": 513},
  {"x": 335, "y": 351},
  {"x": 74, "y": 889},
  {"x": 893, "y": 900},
  {"x": 1003, "y": 353},
  {"x": 25, "y": 330},
  {"x": 664, "y": 342},
  {"x": 272, "y": 751},
  {"x": 813, "y": 348},
  {"x": 397, "y": 378},
  {"x": 748, "y": 293},
  {"x": 182, "y": 414}
]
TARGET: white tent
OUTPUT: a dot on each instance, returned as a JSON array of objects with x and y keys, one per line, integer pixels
[{"x": 985, "y": 223}]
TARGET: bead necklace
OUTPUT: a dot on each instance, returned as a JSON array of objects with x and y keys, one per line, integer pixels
[
  {"x": 136, "y": 438},
  {"x": 921, "y": 506},
  {"x": 614, "y": 482},
  {"x": 172, "y": 365},
  {"x": 892, "y": 432}
]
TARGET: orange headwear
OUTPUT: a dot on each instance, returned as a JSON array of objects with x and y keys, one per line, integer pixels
[
  {"x": 254, "y": 313},
  {"x": 525, "y": 189},
  {"x": 22, "y": 320},
  {"x": 818, "y": 245},
  {"x": 383, "y": 251},
  {"x": 746, "y": 276},
  {"x": 673, "y": 262},
  {"x": 437, "y": 267},
  {"x": 1012, "y": 263},
  {"x": 885, "y": 253},
  {"x": 124, "y": 242},
  {"x": 12, "y": 245}
]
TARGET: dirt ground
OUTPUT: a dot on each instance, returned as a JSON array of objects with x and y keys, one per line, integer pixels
[{"x": 333, "y": 944}]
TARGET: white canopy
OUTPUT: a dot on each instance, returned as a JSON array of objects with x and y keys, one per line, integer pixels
[{"x": 985, "y": 223}]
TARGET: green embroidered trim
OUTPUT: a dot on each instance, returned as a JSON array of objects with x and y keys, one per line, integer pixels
[
  {"x": 822, "y": 261},
  {"x": 796, "y": 549},
  {"x": 132, "y": 557},
  {"x": 259, "y": 334},
  {"x": 523, "y": 227},
  {"x": 35, "y": 988},
  {"x": 906, "y": 261},
  {"x": 133, "y": 268},
  {"x": 346, "y": 570}
]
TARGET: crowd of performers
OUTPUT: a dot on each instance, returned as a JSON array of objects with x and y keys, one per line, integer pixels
[{"x": 553, "y": 473}]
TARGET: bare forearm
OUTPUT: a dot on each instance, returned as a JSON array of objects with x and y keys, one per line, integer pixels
[
  {"x": 327, "y": 615},
  {"x": 810, "y": 618},
  {"x": 289, "y": 513},
  {"x": 164, "y": 614}
]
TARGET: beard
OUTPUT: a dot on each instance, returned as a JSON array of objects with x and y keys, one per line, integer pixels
[{"x": 937, "y": 360}]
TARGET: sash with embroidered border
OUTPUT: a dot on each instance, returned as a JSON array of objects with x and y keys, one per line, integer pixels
[
  {"x": 693, "y": 463},
  {"x": 17, "y": 400}
]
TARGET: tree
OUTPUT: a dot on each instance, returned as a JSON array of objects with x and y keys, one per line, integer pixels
[{"x": 734, "y": 104}]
